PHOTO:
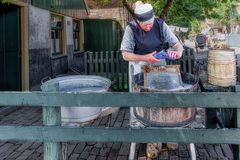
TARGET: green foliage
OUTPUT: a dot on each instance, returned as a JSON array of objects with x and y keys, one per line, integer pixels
[
  {"x": 5, "y": 1},
  {"x": 195, "y": 26},
  {"x": 186, "y": 13}
]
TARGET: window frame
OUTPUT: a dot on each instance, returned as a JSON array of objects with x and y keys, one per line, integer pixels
[
  {"x": 56, "y": 29},
  {"x": 77, "y": 31}
]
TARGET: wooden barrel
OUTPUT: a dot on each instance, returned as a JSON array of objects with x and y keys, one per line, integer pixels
[
  {"x": 167, "y": 117},
  {"x": 222, "y": 68}
]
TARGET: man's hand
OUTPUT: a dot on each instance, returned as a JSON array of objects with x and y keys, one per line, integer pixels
[
  {"x": 174, "y": 54},
  {"x": 150, "y": 59}
]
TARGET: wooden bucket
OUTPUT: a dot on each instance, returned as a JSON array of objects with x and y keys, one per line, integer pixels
[
  {"x": 222, "y": 68},
  {"x": 167, "y": 117}
]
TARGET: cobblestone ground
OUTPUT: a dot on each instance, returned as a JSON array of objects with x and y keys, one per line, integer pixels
[{"x": 16, "y": 150}]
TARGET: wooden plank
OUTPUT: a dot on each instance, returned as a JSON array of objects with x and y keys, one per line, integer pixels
[
  {"x": 86, "y": 63},
  {"x": 236, "y": 148},
  {"x": 90, "y": 65},
  {"x": 101, "y": 64},
  {"x": 96, "y": 71},
  {"x": 52, "y": 117},
  {"x": 107, "y": 63},
  {"x": 117, "y": 71},
  {"x": 118, "y": 99},
  {"x": 122, "y": 72},
  {"x": 112, "y": 68},
  {"x": 175, "y": 135}
]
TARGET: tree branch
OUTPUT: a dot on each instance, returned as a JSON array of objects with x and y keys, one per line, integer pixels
[
  {"x": 165, "y": 10},
  {"x": 128, "y": 7}
]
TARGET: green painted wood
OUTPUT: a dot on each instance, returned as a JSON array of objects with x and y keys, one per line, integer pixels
[
  {"x": 52, "y": 117},
  {"x": 64, "y": 134},
  {"x": 96, "y": 64},
  {"x": 91, "y": 67},
  {"x": 122, "y": 71},
  {"x": 10, "y": 48},
  {"x": 107, "y": 63},
  {"x": 117, "y": 71},
  {"x": 59, "y": 6},
  {"x": 112, "y": 68},
  {"x": 119, "y": 99},
  {"x": 236, "y": 148},
  {"x": 86, "y": 63},
  {"x": 101, "y": 64},
  {"x": 101, "y": 35}
]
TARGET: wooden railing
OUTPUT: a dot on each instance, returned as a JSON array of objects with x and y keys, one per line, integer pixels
[{"x": 51, "y": 133}]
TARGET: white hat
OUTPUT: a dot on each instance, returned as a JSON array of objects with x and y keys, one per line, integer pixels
[{"x": 144, "y": 13}]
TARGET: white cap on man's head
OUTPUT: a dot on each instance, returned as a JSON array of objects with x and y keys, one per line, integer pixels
[{"x": 144, "y": 13}]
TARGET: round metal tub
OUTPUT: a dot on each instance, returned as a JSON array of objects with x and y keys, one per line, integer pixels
[
  {"x": 168, "y": 117},
  {"x": 78, "y": 84}
]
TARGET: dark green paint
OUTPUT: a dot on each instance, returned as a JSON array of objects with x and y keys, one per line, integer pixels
[
  {"x": 10, "y": 57},
  {"x": 236, "y": 148},
  {"x": 52, "y": 117},
  {"x": 102, "y": 35},
  {"x": 119, "y": 99},
  {"x": 59, "y": 5},
  {"x": 110, "y": 65},
  {"x": 64, "y": 134}
]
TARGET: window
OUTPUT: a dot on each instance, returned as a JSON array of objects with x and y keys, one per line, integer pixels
[
  {"x": 76, "y": 35},
  {"x": 56, "y": 35}
]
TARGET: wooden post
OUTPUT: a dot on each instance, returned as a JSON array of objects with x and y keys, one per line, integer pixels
[
  {"x": 236, "y": 148},
  {"x": 52, "y": 117}
]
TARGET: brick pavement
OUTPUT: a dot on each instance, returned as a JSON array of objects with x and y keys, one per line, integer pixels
[{"x": 16, "y": 150}]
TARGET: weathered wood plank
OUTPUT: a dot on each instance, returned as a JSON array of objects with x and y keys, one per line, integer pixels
[
  {"x": 205, "y": 100},
  {"x": 144, "y": 135},
  {"x": 86, "y": 63},
  {"x": 52, "y": 117},
  {"x": 236, "y": 148}
]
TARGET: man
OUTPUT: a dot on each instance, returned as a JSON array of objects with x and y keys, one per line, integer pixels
[{"x": 144, "y": 37}]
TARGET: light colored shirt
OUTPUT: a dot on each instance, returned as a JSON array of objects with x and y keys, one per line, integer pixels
[{"x": 128, "y": 43}]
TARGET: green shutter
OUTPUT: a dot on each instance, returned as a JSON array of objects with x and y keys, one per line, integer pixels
[{"x": 10, "y": 59}]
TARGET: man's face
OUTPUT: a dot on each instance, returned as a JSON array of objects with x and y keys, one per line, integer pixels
[{"x": 146, "y": 26}]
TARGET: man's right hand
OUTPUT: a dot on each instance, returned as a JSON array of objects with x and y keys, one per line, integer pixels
[{"x": 150, "y": 59}]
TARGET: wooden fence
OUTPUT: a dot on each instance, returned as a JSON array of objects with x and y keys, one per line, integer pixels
[
  {"x": 111, "y": 65},
  {"x": 52, "y": 133}
]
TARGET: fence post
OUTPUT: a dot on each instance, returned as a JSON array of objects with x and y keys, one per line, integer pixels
[
  {"x": 236, "y": 148},
  {"x": 52, "y": 117}
]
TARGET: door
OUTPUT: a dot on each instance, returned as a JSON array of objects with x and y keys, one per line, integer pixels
[{"x": 10, "y": 57}]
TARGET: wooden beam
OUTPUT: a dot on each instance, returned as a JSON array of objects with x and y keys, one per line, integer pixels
[
  {"x": 24, "y": 49},
  {"x": 204, "y": 100},
  {"x": 236, "y": 148},
  {"x": 144, "y": 135},
  {"x": 52, "y": 117}
]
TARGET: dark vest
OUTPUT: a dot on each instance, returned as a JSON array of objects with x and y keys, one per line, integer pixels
[{"x": 147, "y": 42}]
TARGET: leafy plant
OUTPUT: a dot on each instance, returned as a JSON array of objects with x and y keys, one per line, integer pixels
[{"x": 5, "y": 1}]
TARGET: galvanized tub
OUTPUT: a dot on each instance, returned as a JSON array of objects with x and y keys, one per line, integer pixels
[
  {"x": 168, "y": 117},
  {"x": 78, "y": 84}
]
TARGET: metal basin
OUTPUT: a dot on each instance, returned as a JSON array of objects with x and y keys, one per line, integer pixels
[{"x": 78, "y": 84}]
